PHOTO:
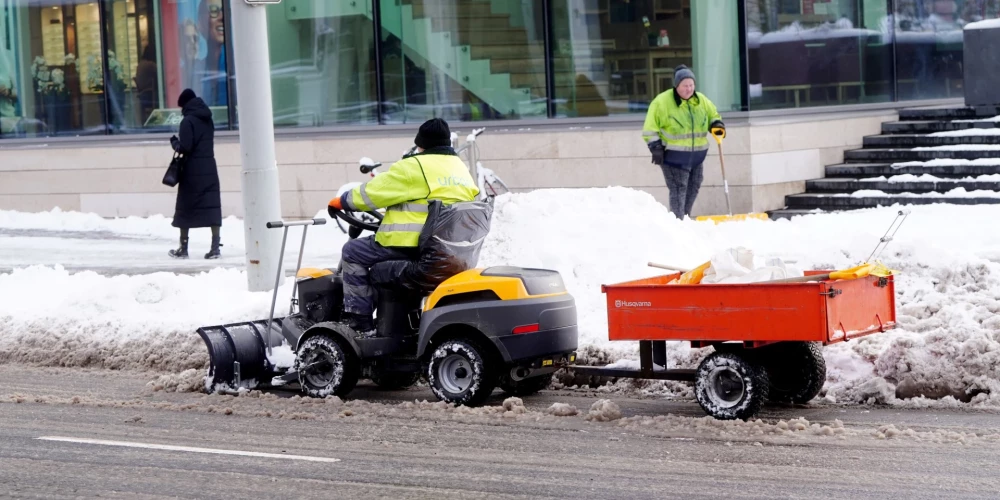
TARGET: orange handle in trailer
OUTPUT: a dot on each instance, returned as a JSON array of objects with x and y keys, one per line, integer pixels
[{"x": 846, "y": 274}]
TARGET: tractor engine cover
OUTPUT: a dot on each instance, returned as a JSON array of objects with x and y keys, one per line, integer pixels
[{"x": 321, "y": 295}]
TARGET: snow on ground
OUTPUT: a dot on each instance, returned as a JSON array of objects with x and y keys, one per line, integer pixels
[
  {"x": 994, "y": 119},
  {"x": 958, "y": 192},
  {"x": 948, "y": 345},
  {"x": 949, "y": 162},
  {"x": 960, "y": 147},
  {"x": 930, "y": 178},
  {"x": 969, "y": 132}
]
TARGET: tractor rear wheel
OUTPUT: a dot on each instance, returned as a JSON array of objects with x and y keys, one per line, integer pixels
[
  {"x": 459, "y": 372},
  {"x": 730, "y": 386}
]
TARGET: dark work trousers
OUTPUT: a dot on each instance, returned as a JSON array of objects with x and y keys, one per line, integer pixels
[
  {"x": 359, "y": 255},
  {"x": 683, "y": 185}
]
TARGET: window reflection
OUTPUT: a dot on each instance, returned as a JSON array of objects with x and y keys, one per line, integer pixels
[
  {"x": 929, "y": 44},
  {"x": 818, "y": 53}
]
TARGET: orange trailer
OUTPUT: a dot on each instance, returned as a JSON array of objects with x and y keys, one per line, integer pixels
[{"x": 767, "y": 336}]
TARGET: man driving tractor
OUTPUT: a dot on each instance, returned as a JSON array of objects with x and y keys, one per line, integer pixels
[{"x": 435, "y": 172}]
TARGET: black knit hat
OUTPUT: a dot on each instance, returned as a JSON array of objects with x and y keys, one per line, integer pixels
[
  {"x": 433, "y": 133},
  {"x": 185, "y": 97}
]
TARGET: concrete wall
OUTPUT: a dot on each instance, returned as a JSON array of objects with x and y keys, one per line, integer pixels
[{"x": 766, "y": 159}]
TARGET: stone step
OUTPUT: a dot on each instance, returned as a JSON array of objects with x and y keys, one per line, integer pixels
[
  {"x": 929, "y": 127},
  {"x": 949, "y": 113},
  {"x": 788, "y": 213},
  {"x": 844, "y": 185},
  {"x": 861, "y": 170},
  {"x": 809, "y": 201},
  {"x": 913, "y": 140},
  {"x": 900, "y": 155}
]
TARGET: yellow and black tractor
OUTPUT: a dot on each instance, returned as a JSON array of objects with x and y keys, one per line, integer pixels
[{"x": 465, "y": 329}]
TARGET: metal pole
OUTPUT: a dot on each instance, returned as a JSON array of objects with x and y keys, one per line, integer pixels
[
  {"x": 298, "y": 266},
  {"x": 274, "y": 296},
  {"x": 261, "y": 201}
]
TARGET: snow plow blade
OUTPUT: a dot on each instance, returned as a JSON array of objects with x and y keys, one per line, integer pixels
[{"x": 238, "y": 354}]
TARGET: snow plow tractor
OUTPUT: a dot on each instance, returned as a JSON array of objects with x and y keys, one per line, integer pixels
[{"x": 466, "y": 330}]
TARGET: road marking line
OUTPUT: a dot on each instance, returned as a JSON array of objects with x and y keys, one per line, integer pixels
[{"x": 190, "y": 449}]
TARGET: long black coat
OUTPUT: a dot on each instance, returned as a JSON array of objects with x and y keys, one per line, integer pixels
[{"x": 199, "y": 203}]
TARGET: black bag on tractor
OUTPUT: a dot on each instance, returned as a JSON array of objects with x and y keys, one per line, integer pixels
[{"x": 465, "y": 329}]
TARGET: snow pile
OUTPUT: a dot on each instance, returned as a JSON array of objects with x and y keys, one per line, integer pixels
[
  {"x": 986, "y": 24},
  {"x": 931, "y": 178},
  {"x": 959, "y": 192},
  {"x": 950, "y": 162},
  {"x": 947, "y": 346},
  {"x": 969, "y": 132},
  {"x": 604, "y": 410},
  {"x": 995, "y": 119},
  {"x": 960, "y": 147}
]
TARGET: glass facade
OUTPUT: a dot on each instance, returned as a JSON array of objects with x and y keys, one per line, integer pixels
[{"x": 95, "y": 67}]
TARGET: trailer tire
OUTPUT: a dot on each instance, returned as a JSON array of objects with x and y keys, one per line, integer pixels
[
  {"x": 527, "y": 386},
  {"x": 729, "y": 386},
  {"x": 796, "y": 370},
  {"x": 460, "y": 373},
  {"x": 392, "y": 381},
  {"x": 337, "y": 377}
]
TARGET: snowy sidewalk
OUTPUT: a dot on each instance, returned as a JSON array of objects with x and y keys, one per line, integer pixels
[{"x": 111, "y": 247}]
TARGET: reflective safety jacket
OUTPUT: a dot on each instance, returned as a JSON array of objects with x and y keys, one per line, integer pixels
[
  {"x": 682, "y": 126},
  {"x": 405, "y": 191}
]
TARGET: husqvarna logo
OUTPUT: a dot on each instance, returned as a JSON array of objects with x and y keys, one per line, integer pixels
[{"x": 624, "y": 303}]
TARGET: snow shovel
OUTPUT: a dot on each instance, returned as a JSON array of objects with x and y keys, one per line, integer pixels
[{"x": 718, "y": 134}]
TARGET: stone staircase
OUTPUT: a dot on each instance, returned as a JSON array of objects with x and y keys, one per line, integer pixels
[{"x": 931, "y": 155}]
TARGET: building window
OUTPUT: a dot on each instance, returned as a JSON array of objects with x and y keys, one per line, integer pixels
[
  {"x": 322, "y": 63},
  {"x": 44, "y": 69},
  {"x": 612, "y": 57},
  {"x": 463, "y": 60},
  {"x": 818, "y": 52},
  {"x": 929, "y": 44}
]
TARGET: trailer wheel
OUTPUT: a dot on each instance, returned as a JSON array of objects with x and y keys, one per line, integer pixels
[
  {"x": 459, "y": 373},
  {"x": 324, "y": 368},
  {"x": 395, "y": 380},
  {"x": 525, "y": 387},
  {"x": 797, "y": 371},
  {"x": 728, "y": 386}
]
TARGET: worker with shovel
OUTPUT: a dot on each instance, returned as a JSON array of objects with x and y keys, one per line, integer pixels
[{"x": 676, "y": 132}]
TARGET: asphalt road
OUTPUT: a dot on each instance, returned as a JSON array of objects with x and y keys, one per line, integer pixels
[{"x": 386, "y": 445}]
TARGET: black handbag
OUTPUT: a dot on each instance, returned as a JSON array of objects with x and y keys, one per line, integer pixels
[{"x": 173, "y": 174}]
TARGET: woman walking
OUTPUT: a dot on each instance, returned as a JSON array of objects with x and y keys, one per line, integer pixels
[
  {"x": 676, "y": 132},
  {"x": 199, "y": 203}
]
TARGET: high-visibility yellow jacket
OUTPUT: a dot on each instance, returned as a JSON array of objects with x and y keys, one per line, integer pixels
[
  {"x": 406, "y": 190},
  {"x": 682, "y": 126}
]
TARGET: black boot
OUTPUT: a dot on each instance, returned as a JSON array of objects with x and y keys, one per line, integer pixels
[
  {"x": 182, "y": 251},
  {"x": 363, "y": 324},
  {"x": 214, "y": 252}
]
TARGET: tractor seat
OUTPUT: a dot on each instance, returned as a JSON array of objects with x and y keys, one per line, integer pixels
[{"x": 449, "y": 244}]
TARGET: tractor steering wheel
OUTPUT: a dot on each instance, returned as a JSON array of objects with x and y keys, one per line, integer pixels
[{"x": 366, "y": 221}]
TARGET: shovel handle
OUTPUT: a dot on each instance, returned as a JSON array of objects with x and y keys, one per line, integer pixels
[{"x": 667, "y": 267}]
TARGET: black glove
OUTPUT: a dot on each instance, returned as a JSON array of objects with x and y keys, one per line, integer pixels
[
  {"x": 718, "y": 128},
  {"x": 656, "y": 148},
  {"x": 175, "y": 143}
]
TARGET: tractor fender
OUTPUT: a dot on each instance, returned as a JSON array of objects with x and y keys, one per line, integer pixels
[
  {"x": 470, "y": 316},
  {"x": 336, "y": 330}
]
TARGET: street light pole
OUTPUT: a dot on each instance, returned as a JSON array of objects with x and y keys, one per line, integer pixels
[{"x": 261, "y": 192}]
